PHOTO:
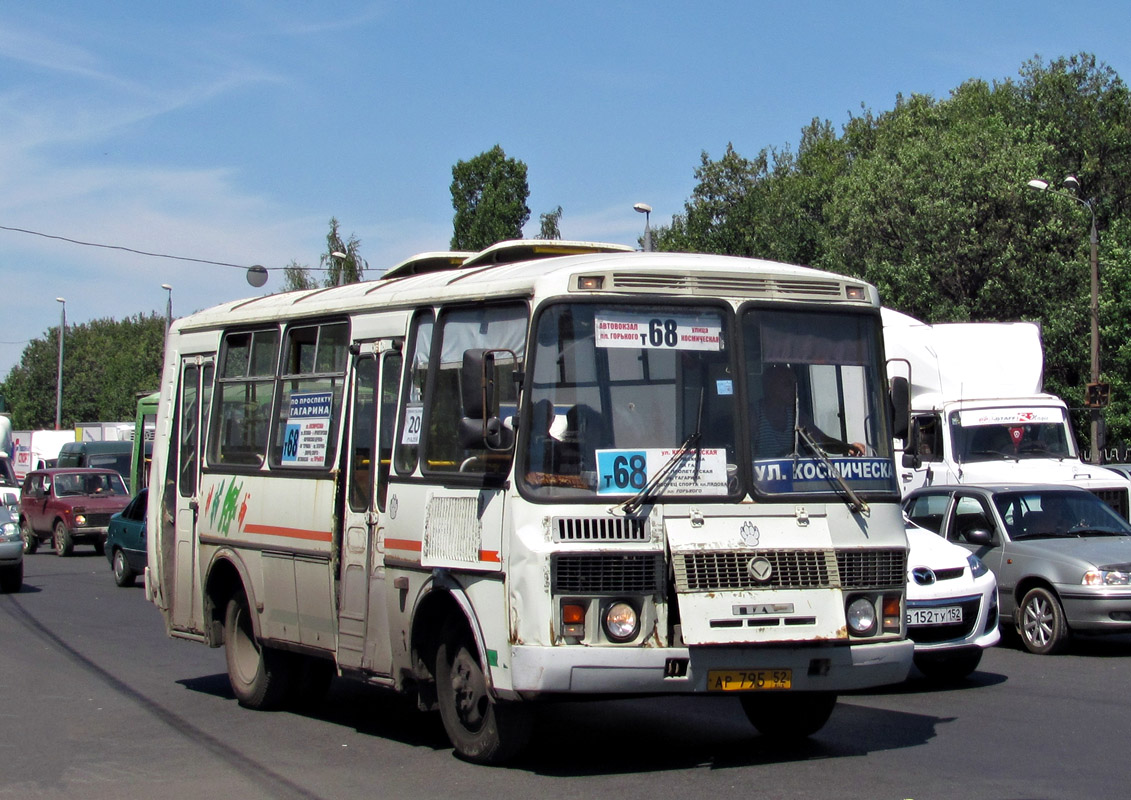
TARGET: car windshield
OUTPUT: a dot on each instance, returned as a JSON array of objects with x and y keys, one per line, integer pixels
[
  {"x": 97, "y": 484},
  {"x": 993, "y": 434},
  {"x": 655, "y": 400},
  {"x": 1052, "y": 513}
]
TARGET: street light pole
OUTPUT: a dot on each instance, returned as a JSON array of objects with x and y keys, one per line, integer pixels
[
  {"x": 1095, "y": 411},
  {"x": 168, "y": 307},
  {"x": 646, "y": 210},
  {"x": 335, "y": 258},
  {"x": 59, "y": 376}
]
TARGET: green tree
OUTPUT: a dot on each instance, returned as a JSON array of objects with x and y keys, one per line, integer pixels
[
  {"x": 106, "y": 363},
  {"x": 342, "y": 260},
  {"x": 549, "y": 224},
  {"x": 489, "y": 195},
  {"x": 297, "y": 276}
]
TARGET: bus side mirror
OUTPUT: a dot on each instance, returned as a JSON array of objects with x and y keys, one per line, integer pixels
[
  {"x": 481, "y": 425},
  {"x": 900, "y": 407},
  {"x": 477, "y": 383}
]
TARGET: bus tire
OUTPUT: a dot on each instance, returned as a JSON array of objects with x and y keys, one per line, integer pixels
[
  {"x": 481, "y": 729},
  {"x": 788, "y": 715},
  {"x": 257, "y": 674}
]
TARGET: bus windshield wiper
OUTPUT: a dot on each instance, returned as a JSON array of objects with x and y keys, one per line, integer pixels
[
  {"x": 854, "y": 501},
  {"x": 665, "y": 473}
]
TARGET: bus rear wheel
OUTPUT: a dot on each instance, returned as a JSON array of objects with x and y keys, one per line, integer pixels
[
  {"x": 788, "y": 715},
  {"x": 481, "y": 728},
  {"x": 257, "y": 674}
]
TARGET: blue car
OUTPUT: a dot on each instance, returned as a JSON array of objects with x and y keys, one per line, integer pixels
[{"x": 125, "y": 540}]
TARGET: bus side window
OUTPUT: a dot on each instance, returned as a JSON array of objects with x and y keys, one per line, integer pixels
[
  {"x": 488, "y": 327},
  {"x": 416, "y": 383}
]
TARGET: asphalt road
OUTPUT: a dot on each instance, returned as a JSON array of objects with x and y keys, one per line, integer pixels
[{"x": 96, "y": 702}]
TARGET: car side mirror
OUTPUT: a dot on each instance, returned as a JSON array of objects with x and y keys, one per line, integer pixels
[{"x": 979, "y": 537}]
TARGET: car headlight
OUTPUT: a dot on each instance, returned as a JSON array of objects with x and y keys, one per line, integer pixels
[
  {"x": 861, "y": 616},
  {"x": 80, "y": 519},
  {"x": 9, "y": 532},
  {"x": 1107, "y": 577},
  {"x": 977, "y": 568}
]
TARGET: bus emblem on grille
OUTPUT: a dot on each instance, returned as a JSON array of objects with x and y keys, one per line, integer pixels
[
  {"x": 750, "y": 533},
  {"x": 760, "y": 569}
]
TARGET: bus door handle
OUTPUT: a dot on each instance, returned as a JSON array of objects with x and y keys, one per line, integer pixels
[{"x": 371, "y": 518}]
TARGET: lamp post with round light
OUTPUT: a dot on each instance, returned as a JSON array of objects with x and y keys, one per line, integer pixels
[
  {"x": 1095, "y": 396},
  {"x": 59, "y": 376},
  {"x": 646, "y": 210},
  {"x": 168, "y": 307}
]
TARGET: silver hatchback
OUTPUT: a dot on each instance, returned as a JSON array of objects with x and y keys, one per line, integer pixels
[
  {"x": 1062, "y": 557},
  {"x": 11, "y": 551}
]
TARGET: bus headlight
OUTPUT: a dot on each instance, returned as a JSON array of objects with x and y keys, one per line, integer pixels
[
  {"x": 861, "y": 616},
  {"x": 621, "y": 622}
]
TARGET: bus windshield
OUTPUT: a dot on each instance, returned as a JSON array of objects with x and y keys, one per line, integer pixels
[
  {"x": 617, "y": 391},
  {"x": 627, "y": 399}
]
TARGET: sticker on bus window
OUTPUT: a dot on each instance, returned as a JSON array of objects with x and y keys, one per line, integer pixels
[
  {"x": 413, "y": 416},
  {"x": 307, "y": 432},
  {"x": 628, "y": 471},
  {"x": 1010, "y": 416},
  {"x": 637, "y": 330}
]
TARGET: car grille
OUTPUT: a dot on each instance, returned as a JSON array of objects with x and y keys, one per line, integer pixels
[
  {"x": 96, "y": 520},
  {"x": 606, "y": 573},
  {"x": 791, "y": 569},
  {"x": 927, "y": 634}
]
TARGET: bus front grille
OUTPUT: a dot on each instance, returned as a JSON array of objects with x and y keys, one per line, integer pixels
[
  {"x": 789, "y": 569},
  {"x": 606, "y": 573},
  {"x": 600, "y": 529}
]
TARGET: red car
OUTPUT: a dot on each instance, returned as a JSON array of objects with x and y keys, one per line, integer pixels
[{"x": 70, "y": 506}]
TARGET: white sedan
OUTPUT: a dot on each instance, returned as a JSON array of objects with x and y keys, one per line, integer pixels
[{"x": 952, "y": 609}]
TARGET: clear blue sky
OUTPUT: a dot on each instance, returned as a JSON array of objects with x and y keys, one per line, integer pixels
[{"x": 232, "y": 131}]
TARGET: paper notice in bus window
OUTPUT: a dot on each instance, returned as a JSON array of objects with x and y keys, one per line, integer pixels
[
  {"x": 628, "y": 471},
  {"x": 308, "y": 429},
  {"x": 658, "y": 331},
  {"x": 413, "y": 416}
]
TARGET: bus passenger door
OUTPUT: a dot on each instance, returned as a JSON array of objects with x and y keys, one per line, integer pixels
[
  {"x": 193, "y": 397},
  {"x": 363, "y": 630}
]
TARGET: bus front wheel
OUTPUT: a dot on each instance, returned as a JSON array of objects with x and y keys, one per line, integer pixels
[
  {"x": 788, "y": 715},
  {"x": 257, "y": 673},
  {"x": 481, "y": 729}
]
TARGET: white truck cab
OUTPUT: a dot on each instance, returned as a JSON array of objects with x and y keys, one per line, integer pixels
[{"x": 978, "y": 412}]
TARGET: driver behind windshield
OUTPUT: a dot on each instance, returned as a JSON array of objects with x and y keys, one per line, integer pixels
[{"x": 777, "y": 417}]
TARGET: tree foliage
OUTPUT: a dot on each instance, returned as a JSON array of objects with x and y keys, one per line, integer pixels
[
  {"x": 489, "y": 195},
  {"x": 342, "y": 260},
  {"x": 106, "y": 364},
  {"x": 549, "y": 224},
  {"x": 929, "y": 201}
]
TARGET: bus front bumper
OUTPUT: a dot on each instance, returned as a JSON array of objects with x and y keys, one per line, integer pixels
[{"x": 645, "y": 670}]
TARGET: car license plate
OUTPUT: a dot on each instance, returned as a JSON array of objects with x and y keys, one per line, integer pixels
[
  {"x": 948, "y": 615},
  {"x": 744, "y": 680}
]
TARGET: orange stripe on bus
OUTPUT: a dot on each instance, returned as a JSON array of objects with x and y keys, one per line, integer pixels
[
  {"x": 414, "y": 546},
  {"x": 290, "y": 533},
  {"x": 411, "y": 545}
]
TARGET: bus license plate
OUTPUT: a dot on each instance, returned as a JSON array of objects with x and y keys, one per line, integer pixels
[
  {"x": 948, "y": 615},
  {"x": 744, "y": 680}
]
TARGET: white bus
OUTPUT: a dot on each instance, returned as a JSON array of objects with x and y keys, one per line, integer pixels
[{"x": 548, "y": 469}]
